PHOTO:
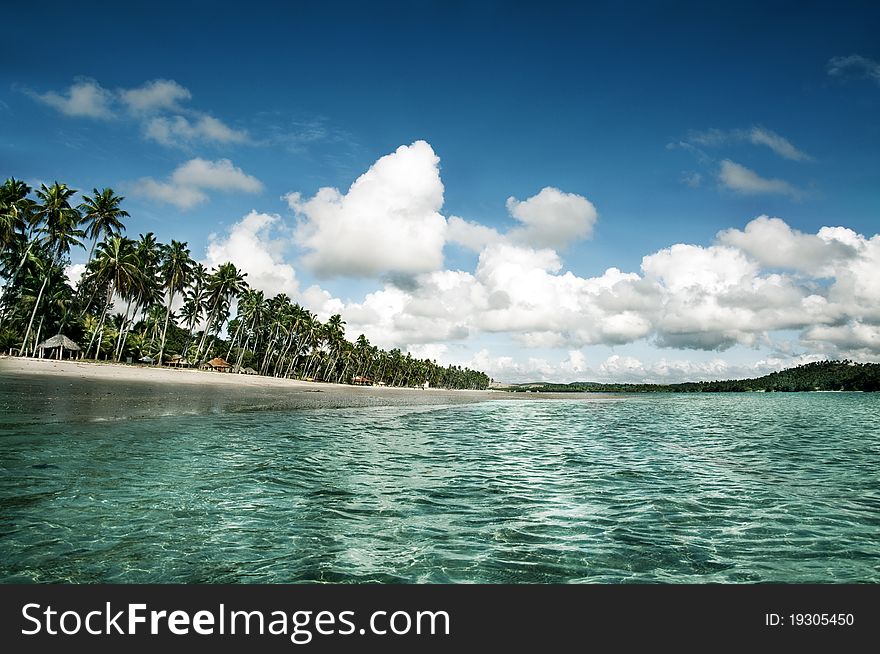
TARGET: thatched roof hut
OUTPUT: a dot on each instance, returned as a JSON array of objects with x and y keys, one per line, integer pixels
[
  {"x": 59, "y": 341},
  {"x": 178, "y": 360},
  {"x": 219, "y": 364},
  {"x": 362, "y": 381}
]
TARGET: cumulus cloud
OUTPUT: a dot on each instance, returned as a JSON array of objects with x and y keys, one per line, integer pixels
[
  {"x": 158, "y": 94},
  {"x": 853, "y": 336},
  {"x": 187, "y": 185},
  {"x": 387, "y": 221},
  {"x": 552, "y": 218},
  {"x": 737, "y": 177},
  {"x": 734, "y": 292},
  {"x": 771, "y": 242},
  {"x": 854, "y": 66},
  {"x": 256, "y": 244},
  {"x": 85, "y": 98},
  {"x": 470, "y": 235}
]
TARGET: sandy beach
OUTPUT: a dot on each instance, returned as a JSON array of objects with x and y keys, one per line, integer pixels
[{"x": 78, "y": 390}]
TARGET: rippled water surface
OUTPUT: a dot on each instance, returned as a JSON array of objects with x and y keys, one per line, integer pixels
[{"x": 671, "y": 488}]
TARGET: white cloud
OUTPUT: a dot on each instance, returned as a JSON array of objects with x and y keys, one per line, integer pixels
[
  {"x": 256, "y": 247},
  {"x": 158, "y": 94},
  {"x": 433, "y": 351},
  {"x": 685, "y": 296},
  {"x": 508, "y": 369},
  {"x": 743, "y": 180},
  {"x": 74, "y": 273},
  {"x": 178, "y": 130},
  {"x": 156, "y": 105},
  {"x": 552, "y": 218},
  {"x": 186, "y": 186},
  {"x": 388, "y": 221},
  {"x": 84, "y": 98},
  {"x": 854, "y": 65},
  {"x": 755, "y": 135},
  {"x": 773, "y": 243},
  {"x": 470, "y": 235},
  {"x": 575, "y": 363},
  {"x": 779, "y": 145}
]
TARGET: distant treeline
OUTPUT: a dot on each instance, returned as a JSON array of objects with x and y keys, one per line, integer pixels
[{"x": 820, "y": 376}]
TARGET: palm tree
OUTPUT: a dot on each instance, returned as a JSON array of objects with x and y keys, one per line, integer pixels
[
  {"x": 60, "y": 231},
  {"x": 145, "y": 289},
  {"x": 176, "y": 271},
  {"x": 116, "y": 263},
  {"x": 224, "y": 284},
  {"x": 335, "y": 339},
  {"x": 250, "y": 312},
  {"x": 102, "y": 214},
  {"x": 16, "y": 212}
]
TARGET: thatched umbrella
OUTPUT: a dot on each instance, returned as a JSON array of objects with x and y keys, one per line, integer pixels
[
  {"x": 219, "y": 364},
  {"x": 178, "y": 360},
  {"x": 61, "y": 342}
]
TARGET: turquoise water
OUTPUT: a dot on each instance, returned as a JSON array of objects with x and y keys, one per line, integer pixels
[{"x": 658, "y": 488}]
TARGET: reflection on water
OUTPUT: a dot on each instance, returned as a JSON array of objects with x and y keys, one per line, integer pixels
[{"x": 714, "y": 488}]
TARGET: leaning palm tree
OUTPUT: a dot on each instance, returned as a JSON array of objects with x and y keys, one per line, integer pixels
[
  {"x": 225, "y": 284},
  {"x": 102, "y": 213},
  {"x": 250, "y": 312},
  {"x": 335, "y": 340},
  {"x": 176, "y": 272},
  {"x": 59, "y": 231},
  {"x": 116, "y": 264},
  {"x": 15, "y": 212},
  {"x": 145, "y": 290}
]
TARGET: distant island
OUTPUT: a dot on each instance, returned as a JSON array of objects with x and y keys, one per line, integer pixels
[{"x": 819, "y": 376}]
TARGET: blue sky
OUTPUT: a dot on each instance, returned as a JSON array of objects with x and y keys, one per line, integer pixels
[{"x": 674, "y": 121}]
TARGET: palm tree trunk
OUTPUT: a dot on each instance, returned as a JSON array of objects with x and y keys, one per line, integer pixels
[
  {"x": 117, "y": 351},
  {"x": 268, "y": 349},
  {"x": 208, "y": 326},
  {"x": 34, "y": 312},
  {"x": 99, "y": 332},
  {"x": 232, "y": 343},
  {"x": 39, "y": 331},
  {"x": 165, "y": 328}
]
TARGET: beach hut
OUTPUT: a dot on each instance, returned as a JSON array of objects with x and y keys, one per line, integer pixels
[
  {"x": 146, "y": 360},
  {"x": 218, "y": 364},
  {"x": 250, "y": 371},
  {"x": 59, "y": 342},
  {"x": 361, "y": 381},
  {"x": 179, "y": 361}
]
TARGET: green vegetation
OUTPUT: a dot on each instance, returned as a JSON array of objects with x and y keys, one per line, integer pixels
[
  {"x": 274, "y": 336},
  {"x": 818, "y": 376}
]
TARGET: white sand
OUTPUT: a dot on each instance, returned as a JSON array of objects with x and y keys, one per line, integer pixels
[{"x": 79, "y": 390}]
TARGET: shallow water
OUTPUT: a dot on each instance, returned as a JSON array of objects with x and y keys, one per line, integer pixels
[{"x": 669, "y": 488}]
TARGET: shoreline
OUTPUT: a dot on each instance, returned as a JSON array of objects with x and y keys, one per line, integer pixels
[{"x": 77, "y": 391}]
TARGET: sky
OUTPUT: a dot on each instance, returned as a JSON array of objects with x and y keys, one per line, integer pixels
[{"x": 556, "y": 191}]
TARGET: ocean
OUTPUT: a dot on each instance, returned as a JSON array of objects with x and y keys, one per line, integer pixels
[{"x": 755, "y": 487}]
